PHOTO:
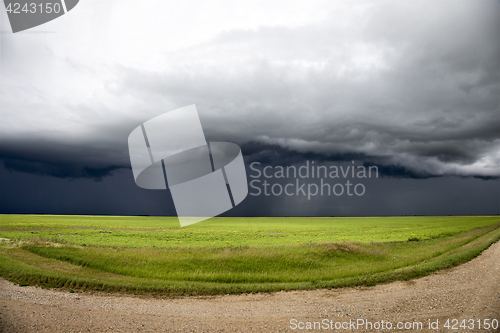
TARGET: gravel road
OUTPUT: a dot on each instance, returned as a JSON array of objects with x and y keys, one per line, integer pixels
[{"x": 470, "y": 291}]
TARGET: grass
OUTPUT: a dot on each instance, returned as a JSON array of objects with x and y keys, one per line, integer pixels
[{"x": 233, "y": 255}]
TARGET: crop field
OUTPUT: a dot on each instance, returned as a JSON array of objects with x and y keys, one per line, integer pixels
[{"x": 153, "y": 255}]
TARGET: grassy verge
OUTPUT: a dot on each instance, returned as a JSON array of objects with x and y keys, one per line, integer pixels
[{"x": 210, "y": 270}]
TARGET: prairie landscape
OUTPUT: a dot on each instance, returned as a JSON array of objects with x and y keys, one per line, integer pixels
[{"x": 153, "y": 255}]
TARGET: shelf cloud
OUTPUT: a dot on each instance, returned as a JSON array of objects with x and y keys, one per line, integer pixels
[{"x": 410, "y": 86}]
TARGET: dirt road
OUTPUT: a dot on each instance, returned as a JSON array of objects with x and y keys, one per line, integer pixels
[{"x": 470, "y": 291}]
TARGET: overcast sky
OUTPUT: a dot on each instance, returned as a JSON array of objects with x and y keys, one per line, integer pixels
[{"x": 411, "y": 86}]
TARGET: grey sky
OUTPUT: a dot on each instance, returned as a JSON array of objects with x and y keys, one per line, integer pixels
[{"x": 407, "y": 84}]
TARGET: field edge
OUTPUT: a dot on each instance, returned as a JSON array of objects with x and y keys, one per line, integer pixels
[{"x": 18, "y": 270}]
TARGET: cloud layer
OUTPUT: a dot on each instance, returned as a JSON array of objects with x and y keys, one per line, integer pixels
[{"x": 412, "y": 86}]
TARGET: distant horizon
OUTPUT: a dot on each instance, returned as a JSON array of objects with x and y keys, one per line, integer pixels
[{"x": 110, "y": 215}]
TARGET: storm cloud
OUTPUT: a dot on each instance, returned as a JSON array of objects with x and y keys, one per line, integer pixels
[{"x": 410, "y": 86}]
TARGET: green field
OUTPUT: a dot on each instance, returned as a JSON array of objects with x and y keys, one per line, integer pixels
[{"x": 154, "y": 255}]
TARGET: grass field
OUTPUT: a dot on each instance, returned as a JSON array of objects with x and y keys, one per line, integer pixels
[{"x": 233, "y": 255}]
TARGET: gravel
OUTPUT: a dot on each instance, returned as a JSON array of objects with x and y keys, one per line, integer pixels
[{"x": 469, "y": 291}]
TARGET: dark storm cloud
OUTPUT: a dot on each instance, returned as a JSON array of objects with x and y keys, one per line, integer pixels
[
  {"x": 119, "y": 195},
  {"x": 84, "y": 159},
  {"x": 275, "y": 155},
  {"x": 410, "y": 86},
  {"x": 116, "y": 195},
  {"x": 55, "y": 168}
]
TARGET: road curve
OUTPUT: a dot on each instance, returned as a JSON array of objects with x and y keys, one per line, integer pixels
[{"x": 469, "y": 291}]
